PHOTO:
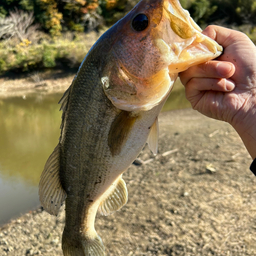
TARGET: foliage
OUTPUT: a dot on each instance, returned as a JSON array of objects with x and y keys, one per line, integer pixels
[
  {"x": 81, "y": 14},
  {"x": 51, "y": 16},
  {"x": 49, "y": 55},
  {"x": 18, "y": 24},
  {"x": 235, "y": 11},
  {"x": 25, "y": 46},
  {"x": 200, "y": 10},
  {"x": 67, "y": 50},
  {"x": 56, "y": 16}
]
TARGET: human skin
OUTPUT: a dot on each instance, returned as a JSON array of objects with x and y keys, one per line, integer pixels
[{"x": 225, "y": 88}]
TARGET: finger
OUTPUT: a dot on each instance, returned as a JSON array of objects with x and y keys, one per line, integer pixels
[
  {"x": 210, "y": 69},
  {"x": 224, "y": 36},
  {"x": 197, "y": 85}
]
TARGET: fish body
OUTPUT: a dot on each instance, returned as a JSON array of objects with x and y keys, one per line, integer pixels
[{"x": 110, "y": 111}]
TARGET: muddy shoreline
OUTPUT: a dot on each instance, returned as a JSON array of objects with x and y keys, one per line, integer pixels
[
  {"x": 196, "y": 197},
  {"x": 45, "y": 82}
]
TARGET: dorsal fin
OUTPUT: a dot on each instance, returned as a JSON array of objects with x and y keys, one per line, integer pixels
[
  {"x": 64, "y": 105},
  {"x": 153, "y": 137},
  {"x": 64, "y": 100},
  {"x": 51, "y": 193},
  {"x": 114, "y": 198}
]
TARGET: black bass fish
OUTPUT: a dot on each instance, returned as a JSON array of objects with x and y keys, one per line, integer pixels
[{"x": 111, "y": 110}]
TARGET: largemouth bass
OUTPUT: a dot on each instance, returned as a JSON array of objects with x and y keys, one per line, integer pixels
[{"x": 111, "y": 110}]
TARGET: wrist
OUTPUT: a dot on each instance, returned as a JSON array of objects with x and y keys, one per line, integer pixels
[{"x": 244, "y": 123}]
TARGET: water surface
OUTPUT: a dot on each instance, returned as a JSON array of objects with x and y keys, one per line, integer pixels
[{"x": 29, "y": 131}]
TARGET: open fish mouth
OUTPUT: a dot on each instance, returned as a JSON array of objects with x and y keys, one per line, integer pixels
[{"x": 181, "y": 40}]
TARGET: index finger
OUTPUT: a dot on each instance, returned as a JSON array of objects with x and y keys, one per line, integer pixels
[
  {"x": 210, "y": 69},
  {"x": 224, "y": 36}
]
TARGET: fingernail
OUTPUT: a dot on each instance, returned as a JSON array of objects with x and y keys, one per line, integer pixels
[
  {"x": 229, "y": 85},
  {"x": 224, "y": 68}
]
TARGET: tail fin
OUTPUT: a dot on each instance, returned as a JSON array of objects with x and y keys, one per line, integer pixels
[{"x": 86, "y": 246}]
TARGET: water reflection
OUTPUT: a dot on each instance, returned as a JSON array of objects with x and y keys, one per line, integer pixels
[
  {"x": 16, "y": 197},
  {"x": 29, "y": 131},
  {"x": 177, "y": 99}
]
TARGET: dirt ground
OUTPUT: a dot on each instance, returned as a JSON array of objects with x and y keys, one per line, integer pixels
[{"x": 196, "y": 197}]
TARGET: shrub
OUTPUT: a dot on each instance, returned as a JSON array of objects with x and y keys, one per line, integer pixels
[
  {"x": 64, "y": 51},
  {"x": 201, "y": 10},
  {"x": 18, "y": 24},
  {"x": 51, "y": 16},
  {"x": 49, "y": 55},
  {"x": 22, "y": 52}
]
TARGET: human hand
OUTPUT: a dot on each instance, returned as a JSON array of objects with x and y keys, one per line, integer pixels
[{"x": 225, "y": 88}]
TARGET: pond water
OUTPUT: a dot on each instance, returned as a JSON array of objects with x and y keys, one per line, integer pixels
[{"x": 29, "y": 131}]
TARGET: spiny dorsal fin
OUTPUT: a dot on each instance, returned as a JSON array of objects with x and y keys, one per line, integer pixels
[
  {"x": 64, "y": 99},
  {"x": 51, "y": 193},
  {"x": 114, "y": 198},
  {"x": 64, "y": 104},
  {"x": 153, "y": 137}
]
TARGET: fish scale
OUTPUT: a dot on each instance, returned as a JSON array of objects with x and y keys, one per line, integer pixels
[
  {"x": 88, "y": 140},
  {"x": 111, "y": 110}
]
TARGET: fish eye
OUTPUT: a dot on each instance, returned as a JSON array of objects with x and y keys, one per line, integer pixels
[{"x": 140, "y": 22}]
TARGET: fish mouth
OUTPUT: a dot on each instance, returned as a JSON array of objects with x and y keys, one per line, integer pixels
[
  {"x": 200, "y": 50},
  {"x": 185, "y": 45}
]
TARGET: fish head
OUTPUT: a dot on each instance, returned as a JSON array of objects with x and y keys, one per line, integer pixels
[{"x": 152, "y": 44}]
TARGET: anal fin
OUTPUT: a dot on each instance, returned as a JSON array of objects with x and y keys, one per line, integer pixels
[
  {"x": 153, "y": 137},
  {"x": 114, "y": 198},
  {"x": 51, "y": 193}
]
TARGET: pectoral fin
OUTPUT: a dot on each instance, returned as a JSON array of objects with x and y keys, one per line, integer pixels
[
  {"x": 119, "y": 131},
  {"x": 153, "y": 137},
  {"x": 51, "y": 193},
  {"x": 114, "y": 198}
]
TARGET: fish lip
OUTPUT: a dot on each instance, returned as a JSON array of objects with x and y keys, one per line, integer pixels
[{"x": 204, "y": 43}]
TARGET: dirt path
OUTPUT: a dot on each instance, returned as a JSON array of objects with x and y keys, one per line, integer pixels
[{"x": 197, "y": 197}]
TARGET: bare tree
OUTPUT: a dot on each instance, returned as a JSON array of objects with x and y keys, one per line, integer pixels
[{"x": 18, "y": 24}]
